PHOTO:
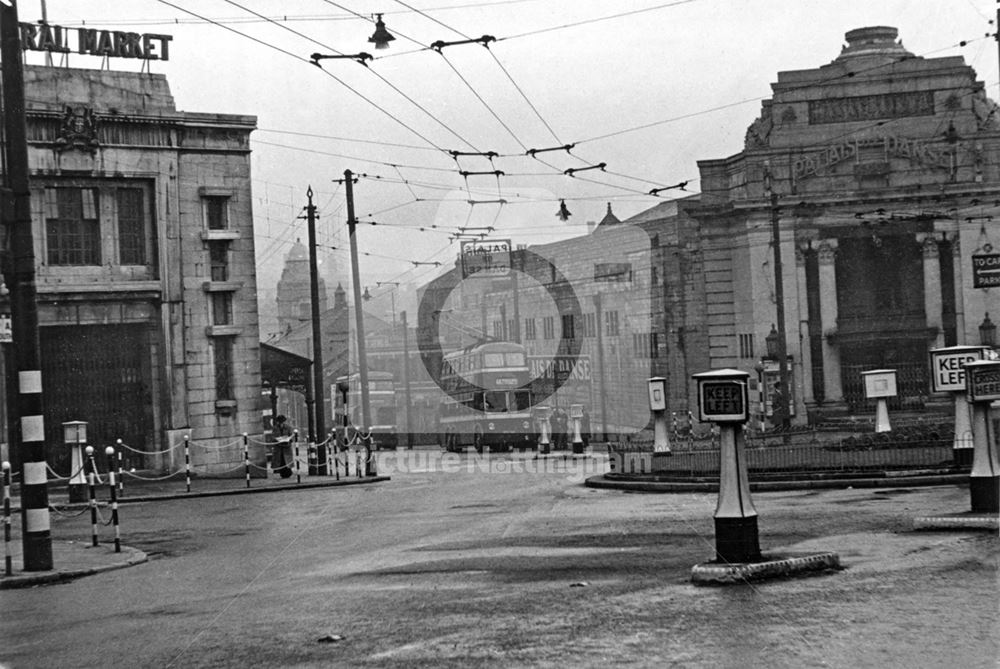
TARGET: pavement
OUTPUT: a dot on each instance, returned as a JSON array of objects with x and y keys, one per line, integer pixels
[{"x": 75, "y": 559}]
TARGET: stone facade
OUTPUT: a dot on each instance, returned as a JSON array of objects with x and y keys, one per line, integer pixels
[{"x": 144, "y": 249}]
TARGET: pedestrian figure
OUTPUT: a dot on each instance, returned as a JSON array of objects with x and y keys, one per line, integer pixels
[
  {"x": 559, "y": 427},
  {"x": 779, "y": 407},
  {"x": 585, "y": 428},
  {"x": 281, "y": 457}
]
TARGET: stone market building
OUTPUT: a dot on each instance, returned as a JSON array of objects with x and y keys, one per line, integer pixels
[{"x": 145, "y": 268}]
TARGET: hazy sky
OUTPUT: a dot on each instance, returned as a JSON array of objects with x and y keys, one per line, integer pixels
[{"x": 648, "y": 93}]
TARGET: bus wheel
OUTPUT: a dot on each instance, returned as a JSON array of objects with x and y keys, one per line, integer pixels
[{"x": 477, "y": 439}]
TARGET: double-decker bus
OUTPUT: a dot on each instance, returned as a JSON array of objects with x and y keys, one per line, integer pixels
[
  {"x": 489, "y": 400},
  {"x": 381, "y": 401}
]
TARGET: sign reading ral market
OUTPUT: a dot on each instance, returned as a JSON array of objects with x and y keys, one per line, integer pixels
[
  {"x": 986, "y": 271},
  {"x": 488, "y": 258},
  {"x": 94, "y": 42}
]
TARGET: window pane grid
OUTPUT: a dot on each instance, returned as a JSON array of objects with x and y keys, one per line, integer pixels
[{"x": 131, "y": 227}]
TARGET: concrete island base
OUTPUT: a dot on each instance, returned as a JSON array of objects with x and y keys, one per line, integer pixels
[
  {"x": 970, "y": 520},
  {"x": 770, "y": 566}
]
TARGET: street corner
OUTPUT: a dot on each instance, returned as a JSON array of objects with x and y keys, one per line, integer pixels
[
  {"x": 72, "y": 560},
  {"x": 770, "y": 567}
]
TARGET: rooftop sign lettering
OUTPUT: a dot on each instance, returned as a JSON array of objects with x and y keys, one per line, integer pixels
[{"x": 94, "y": 42}]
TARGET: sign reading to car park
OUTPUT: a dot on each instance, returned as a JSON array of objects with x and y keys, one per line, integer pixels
[
  {"x": 986, "y": 270},
  {"x": 723, "y": 396},
  {"x": 487, "y": 258},
  {"x": 947, "y": 367},
  {"x": 982, "y": 380}
]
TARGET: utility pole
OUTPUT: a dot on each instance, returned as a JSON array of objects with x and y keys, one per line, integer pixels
[
  {"x": 779, "y": 297},
  {"x": 359, "y": 318},
  {"x": 406, "y": 383},
  {"x": 601, "y": 377},
  {"x": 317, "y": 337},
  {"x": 36, "y": 538}
]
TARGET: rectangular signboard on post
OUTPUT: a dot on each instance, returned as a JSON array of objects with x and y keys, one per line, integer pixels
[
  {"x": 947, "y": 373},
  {"x": 723, "y": 401},
  {"x": 986, "y": 270},
  {"x": 983, "y": 381},
  {"x": 487, "y": 258}
]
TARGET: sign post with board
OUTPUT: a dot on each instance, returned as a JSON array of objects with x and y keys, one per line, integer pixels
[
  {"x": 658, "y": 405},
  {"x": 982, "y": 382},
  {"x": 986, "y": 270},
  {"x": 486, "y": 259},
  {"x": 723, "y": 398},
  {"x": 948, "y": 376},
  {"x": 880, "y": 384}
]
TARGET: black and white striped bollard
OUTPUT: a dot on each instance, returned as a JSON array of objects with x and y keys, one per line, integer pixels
[
  {"x": 121, "y": 478},
  {"x": 92, "y": 484},
  {"x": 187, "y": 461},
  {"x": 298, "y": 467},
  {"x": 246, "y": 457},
  {"x": 8, "y": 566},
  {"x": 110, "y": 451}
]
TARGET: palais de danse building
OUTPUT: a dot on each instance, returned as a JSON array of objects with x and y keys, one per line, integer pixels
[{"x": 886, "y": 171}]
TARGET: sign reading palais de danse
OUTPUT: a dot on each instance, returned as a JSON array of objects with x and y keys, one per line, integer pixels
[{"x": 94, "y": 42}]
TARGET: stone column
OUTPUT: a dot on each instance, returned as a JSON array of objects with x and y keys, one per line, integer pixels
[
  {"x": 932, "y": 287},
  {"x": 805, "y": 351},
  {"x": 828, "y": 319}
]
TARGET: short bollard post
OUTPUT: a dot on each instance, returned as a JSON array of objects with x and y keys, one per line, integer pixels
[
  {"x": 121, "y": 479},
  {"x": 724, "y": 399},
  {"x": 91, "y": 476},
  {"x": 982, "y": 380},
  {"x": 542, "y": 414},
  {"x": 948, "y": 375},
  {"x": 187, "y": 461},
  {"x": 246, "y": 457},
  {"x": 357, "y": 463},
  {"x": 576, "y": 415},
  {"x": 298, "y": 465},
  {"x": 113, "y": 490},
  {"x": 880, "y": 384},
  {"x": 8, "y": 566},
  {"x": 657, "y": 387}
]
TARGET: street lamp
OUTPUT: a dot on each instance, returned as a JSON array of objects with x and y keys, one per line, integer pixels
[
  {"x": 987, "y": 332},
  {"x": 771, "y": 343},
  {"x": 381, "y": 37}
]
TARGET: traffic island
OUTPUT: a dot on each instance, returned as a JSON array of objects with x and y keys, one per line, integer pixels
[
  {"x": 969, "y": 520},
  {"x": 768, "y": 567}
]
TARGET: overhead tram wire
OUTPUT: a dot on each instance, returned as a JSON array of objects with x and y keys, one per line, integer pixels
[
  {"x": 301, "y": 59},
  {"x": 382, "y": 78}
]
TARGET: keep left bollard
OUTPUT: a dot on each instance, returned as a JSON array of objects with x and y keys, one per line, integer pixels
[{"x": 110, "y": 451}]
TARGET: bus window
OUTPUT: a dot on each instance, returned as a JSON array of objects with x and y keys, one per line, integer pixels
[
  {"x": 514, "y": 359},
  {"x": 493, "y": 360},
  {"x": 385, "y": 416},
  {"x": 477, "y": 402},
  {"x": 522, "y": 400},
  {"x": 496, "y": 401}
]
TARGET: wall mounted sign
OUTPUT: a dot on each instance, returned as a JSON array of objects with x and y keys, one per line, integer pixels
[
  {"x": 94, "y": 42},
  {"x": 986, "y": 270}
]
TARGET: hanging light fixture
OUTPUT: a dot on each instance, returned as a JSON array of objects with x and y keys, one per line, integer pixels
[
  {"x": 381, "y": 37},
  {"x": 987, "y": 332},
  {"x": 563, "y": 213},
  {"x": 771, "y": 343}
]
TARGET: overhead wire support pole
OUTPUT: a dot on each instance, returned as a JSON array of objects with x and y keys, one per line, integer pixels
[
  {"x": 681, "y": 186},
  {"x": 779, "y": 292},
  {"x": 319, "y": 405},
  {"x": 495, "y": 173},
  {"x": 483, "y": 154},
  {"x": 359, "y": 318},
  {"x": 359, "y": 57},
  {"x": 29, "y": 440}
]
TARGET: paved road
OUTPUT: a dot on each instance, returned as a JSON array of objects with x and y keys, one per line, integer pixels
[{"x": 463, "y": 562}]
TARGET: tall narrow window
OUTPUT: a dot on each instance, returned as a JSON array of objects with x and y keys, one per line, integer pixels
[
  {"x": 224, "y": 368},
  {"x": 72, "y": 229},
  {"x": 131, "y": 226},
  {"x": 549, "y": 327},
  {"x": 218, "y": 258},
  {"x": 217, "y": 212},
  {"x": 529, "y": 328},
  {"x": 222, "y": 308},
  {"x": 612, "y": 327},
  {"x": 568, "y": 329}
]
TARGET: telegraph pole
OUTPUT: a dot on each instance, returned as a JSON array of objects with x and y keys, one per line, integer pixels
[
  {"x": 317, "y": 337},
  {"x": 36, "y": 538},
  {"x": 359, "y": 318},
  {"x": 779, "y": 298}
]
